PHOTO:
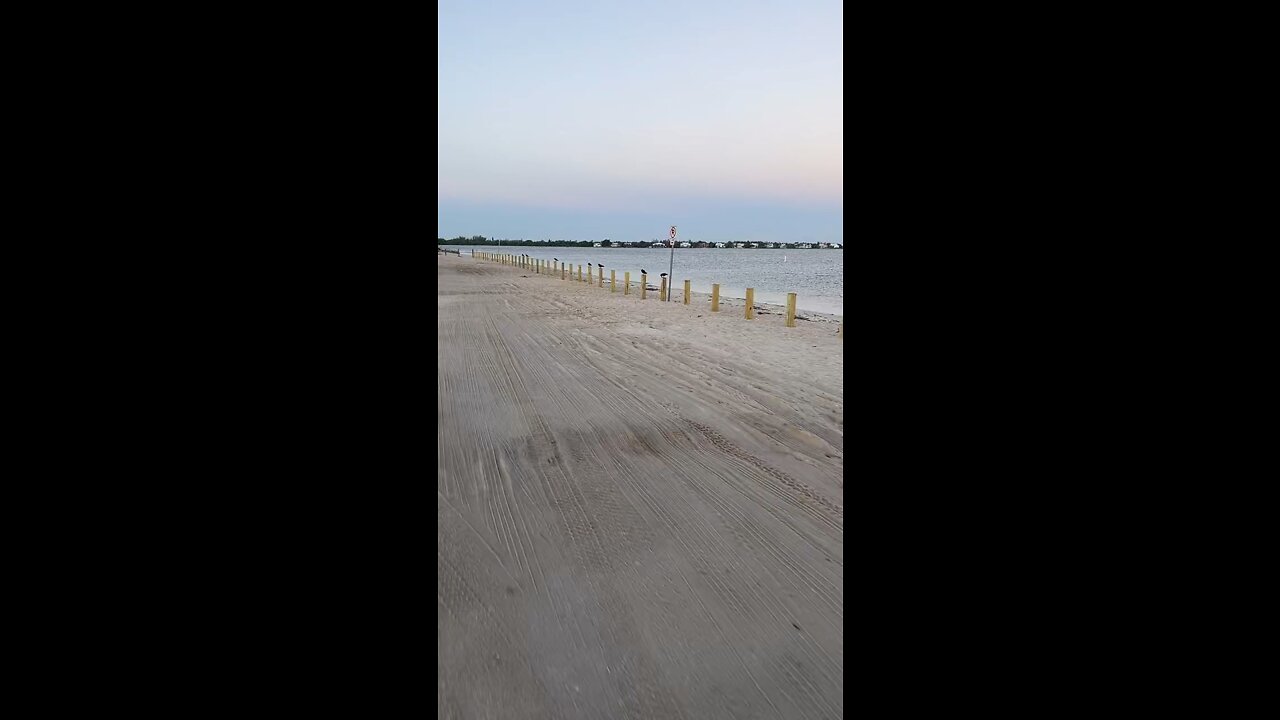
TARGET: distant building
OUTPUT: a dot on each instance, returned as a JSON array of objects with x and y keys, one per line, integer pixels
[
  {"x": 719, "y": 245},
  {"x": 596, "y": 245},
  {"x": 685, "y": 244},
  {"x": 739, "y": 245}
]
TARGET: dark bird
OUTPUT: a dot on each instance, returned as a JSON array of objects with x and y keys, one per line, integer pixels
[
  {"x": 643, "y": 271},
  {"x": 599, "y": 264},
  {"x": 664, "y": 275},
  {"x": 556, "y": 259}
]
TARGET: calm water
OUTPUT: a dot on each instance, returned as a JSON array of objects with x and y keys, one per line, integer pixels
[{"x": 816, "y": 276}]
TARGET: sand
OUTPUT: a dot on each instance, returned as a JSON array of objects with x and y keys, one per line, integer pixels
[{"x": 640, "y": 505}]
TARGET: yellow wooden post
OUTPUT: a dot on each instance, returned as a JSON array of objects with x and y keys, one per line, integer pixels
[
  {"x": 561, "y": 271},
  {"x": 715, "y": 297},
  {"x": 644, "y": 285},
  {"x": 613, "y": 281},
  {"x": 579, "y": 273},
  {"x": 662, "y": 293},
  {"x": 791, "y": 309},
  {"x": 601, "y": 274},
  {"x": 751, "y": 299},
  {"x": 686, "y": 292},
  {"x": 626, "y": 283}
]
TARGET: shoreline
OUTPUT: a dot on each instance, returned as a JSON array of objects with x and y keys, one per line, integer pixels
[
  {"x": 677, "y": 296},
  {"x": 820, "y": 301}
]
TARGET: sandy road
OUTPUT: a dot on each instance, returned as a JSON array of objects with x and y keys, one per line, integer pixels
[{"x": 640, "y": 505}]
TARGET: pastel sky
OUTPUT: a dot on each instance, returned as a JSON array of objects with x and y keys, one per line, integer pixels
[{"x": 577, "y": 119}]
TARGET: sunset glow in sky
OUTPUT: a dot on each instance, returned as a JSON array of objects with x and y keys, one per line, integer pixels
[{"x": 584, "y": 120}]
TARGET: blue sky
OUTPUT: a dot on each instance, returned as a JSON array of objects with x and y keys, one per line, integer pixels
[{"x": 586, "y": 120}]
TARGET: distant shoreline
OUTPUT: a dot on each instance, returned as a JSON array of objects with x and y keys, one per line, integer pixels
[{"x": 641, "y": 246}]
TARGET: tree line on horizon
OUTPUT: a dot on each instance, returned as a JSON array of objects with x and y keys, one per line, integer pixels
[{"x": 481, "y": 240}]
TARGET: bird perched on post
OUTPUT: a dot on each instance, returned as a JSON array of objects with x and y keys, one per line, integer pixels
[
  {"x": 662, "y": 275},
  {"x": 643, "y": 271}
]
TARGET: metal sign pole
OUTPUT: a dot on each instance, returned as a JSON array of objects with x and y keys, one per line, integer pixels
[{"x": 671, "y": 279}]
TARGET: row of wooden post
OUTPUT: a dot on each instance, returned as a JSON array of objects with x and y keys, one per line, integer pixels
[{"x": 542, "y": 267}]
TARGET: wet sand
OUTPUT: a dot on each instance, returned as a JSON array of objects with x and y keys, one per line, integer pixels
[{"x": 640, "y": 504}]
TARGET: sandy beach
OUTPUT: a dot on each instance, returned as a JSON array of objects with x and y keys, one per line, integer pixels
[{"x": 640, "y": 504}]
